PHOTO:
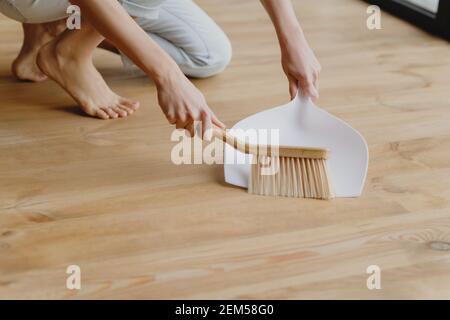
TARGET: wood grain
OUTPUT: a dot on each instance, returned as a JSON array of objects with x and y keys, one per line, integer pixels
[{"x": 104, "y": 195}]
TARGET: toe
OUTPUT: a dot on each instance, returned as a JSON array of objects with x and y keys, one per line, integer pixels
[
  {"x": 40, "y": 78},
  {"x": 122, "y": 113},
  {"x": 134, "y": 105},
  {"x": 94, "y": 111},
  {"x": 128, "y": 110},
  {"x": 111, "y": 113},
  {"x": 102, "y": 114}
]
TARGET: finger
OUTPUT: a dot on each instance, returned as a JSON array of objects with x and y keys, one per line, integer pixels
[
  {"x": 313, "y": 93},
  {"x": 194, "y": 115},
  {"x": 316, "y": 87},
  {"x": 190, "y": 130},
  {"x": 293, "y": 88},
  {"x": 309, "y": 90},
  {"x": 172, "y": 121},
  {"x": 206, "y": 126},
  {"x": 316, "y": 80},
  {"x": 180, "y": 125},
  {"x": 183, "y": 118},
  {"x": 217, "y": 122},
  {"x": 170, "y": 116},
  {"x": 182, "y": 121}
]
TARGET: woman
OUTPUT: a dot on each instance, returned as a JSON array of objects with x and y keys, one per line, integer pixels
[{"x": 183, "y": 41}]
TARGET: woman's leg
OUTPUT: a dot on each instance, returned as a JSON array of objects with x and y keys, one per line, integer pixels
[
  {"x": 24, "y": 66},
  {"x": 67, "y": 59},
  {"x": 35, "y": 36},
  {"x": 196, "y": 43}
]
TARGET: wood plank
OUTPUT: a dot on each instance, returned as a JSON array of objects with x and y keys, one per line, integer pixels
[{"x": 104, "y": 194}]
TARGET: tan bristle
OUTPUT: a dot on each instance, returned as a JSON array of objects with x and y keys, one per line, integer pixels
[{"x": 291, "y": 177}]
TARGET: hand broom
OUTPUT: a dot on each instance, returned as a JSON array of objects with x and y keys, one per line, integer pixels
[{"x": 287, "y": 171}]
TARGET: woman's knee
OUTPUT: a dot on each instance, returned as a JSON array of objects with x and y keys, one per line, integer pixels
[
  {"x": 214, "y": 61},
  {"x": 35, "y": 11}
]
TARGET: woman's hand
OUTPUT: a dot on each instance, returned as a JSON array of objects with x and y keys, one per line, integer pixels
[
  {"x": 298, "y": 60},
  {"x": 183, "y": 104},
  {"x": 300, "y": 66}
]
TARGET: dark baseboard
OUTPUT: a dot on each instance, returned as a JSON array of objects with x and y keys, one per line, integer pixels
[{"x": 438, "y": 24}]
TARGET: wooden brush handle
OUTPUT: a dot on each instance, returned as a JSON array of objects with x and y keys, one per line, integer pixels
[
  {"x": 222, "y": 134},
  {"x": 281, "y": 151}
]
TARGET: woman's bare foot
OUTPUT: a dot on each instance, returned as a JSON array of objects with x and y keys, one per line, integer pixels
[
  {"x": 24, "y": 66},
  {"x": 79, "y": 77}
]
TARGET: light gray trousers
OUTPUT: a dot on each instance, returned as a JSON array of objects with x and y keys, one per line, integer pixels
[{"x": 196, "y": 43}]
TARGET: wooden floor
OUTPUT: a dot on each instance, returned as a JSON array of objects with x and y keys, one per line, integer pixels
[{"x": 104, "y": 195}]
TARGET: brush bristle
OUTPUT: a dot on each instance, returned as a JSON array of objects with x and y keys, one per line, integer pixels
[{"x": 291, "y": 177}]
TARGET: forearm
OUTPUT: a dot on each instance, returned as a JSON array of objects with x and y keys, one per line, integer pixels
[
  {"x": 114, "y": 23},
  {"x": 283, "y": 17},
  {"x": 299, "y": 62}
]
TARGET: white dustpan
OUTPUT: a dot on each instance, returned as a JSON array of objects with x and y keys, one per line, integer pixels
[{"x": 300, "y": 123}]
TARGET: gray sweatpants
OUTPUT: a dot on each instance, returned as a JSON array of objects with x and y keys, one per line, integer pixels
[{"x": 196, "y": 43}]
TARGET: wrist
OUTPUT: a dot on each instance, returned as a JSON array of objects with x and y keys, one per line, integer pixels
[
  {"x": 165, "y": 73},
  {"x": 293, "y": 44},
  {"x": 290, "y": 36}
]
